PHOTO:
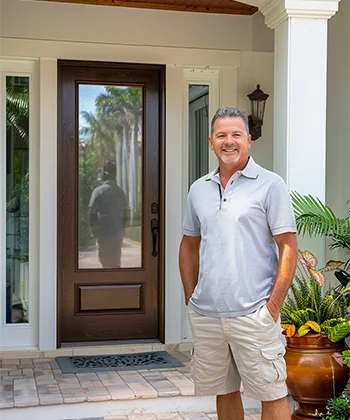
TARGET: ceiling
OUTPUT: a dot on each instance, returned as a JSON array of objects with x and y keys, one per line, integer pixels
[{"x": 227, "y": 7}]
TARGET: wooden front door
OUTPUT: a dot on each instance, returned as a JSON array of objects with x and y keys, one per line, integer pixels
[{"x": 110, "y": 206}]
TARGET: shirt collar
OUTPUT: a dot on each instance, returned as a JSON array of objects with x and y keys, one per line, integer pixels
[{"x": 250, "y": 171}]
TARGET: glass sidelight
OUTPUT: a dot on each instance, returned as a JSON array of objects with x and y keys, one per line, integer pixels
[
  {"x": 17, "y": 199},
  {"x": 198, "y": 132},
  {"x": 110, "y": 176}
]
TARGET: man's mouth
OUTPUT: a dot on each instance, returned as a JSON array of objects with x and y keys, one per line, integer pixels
[{"x": 229, "y": 150}]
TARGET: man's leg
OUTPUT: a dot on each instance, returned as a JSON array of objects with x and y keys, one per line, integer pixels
[
  {"x": 109, "y": 252},
  {"x": 230, "y": 407},
  {"x": 276, "y": 410}
]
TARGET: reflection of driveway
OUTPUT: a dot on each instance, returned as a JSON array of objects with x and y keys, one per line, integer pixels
[{"x": 131, "y": 256}]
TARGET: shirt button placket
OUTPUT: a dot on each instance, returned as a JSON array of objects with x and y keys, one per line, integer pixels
[{"x": 224, "y": 203}]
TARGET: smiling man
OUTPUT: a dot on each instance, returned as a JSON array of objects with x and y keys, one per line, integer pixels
[{"x": 237, "y": 260}]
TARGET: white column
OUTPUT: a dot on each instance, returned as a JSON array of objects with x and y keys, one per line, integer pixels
[
  {"x": 300, "y": 97},
  {"x": 300, "y": 90}
]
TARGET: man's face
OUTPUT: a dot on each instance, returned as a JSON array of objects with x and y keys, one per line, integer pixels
[{"x": 230, "y": 141}]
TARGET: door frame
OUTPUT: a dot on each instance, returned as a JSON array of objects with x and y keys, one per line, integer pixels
[{"x": 161, "y": 234}]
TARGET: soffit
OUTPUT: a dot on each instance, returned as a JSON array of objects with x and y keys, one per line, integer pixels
[{"x": 227, "y": 7}]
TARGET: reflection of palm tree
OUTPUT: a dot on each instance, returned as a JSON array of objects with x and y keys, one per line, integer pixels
[
  {"x": 17, "y": 120},
  {"x": 100, "y": 133},
  {"x": 17, "y": 110},
  {"x": 115, "y": 129}
]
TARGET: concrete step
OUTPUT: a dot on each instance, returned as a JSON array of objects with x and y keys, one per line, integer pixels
[
  {"x": 195, "y": 415},
  {"x": 188, "y": 408}
]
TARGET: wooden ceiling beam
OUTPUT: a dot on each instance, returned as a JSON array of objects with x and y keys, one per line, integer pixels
[{"x": 235, "y": 10}]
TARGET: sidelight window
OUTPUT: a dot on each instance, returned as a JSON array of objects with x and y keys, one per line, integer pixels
[{"x": 17, "y": 199}]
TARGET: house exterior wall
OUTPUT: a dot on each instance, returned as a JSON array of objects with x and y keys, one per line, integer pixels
[
  {"x": 263, "y": 37},
  {"x": 338, "y": 113},
  {"x": 338, "y": 110},
  {"x": 123, "y": 26},
  {"x": 222, "y": 44}
]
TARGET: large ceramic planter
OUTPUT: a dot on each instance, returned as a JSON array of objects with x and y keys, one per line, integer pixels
[{"x": 313, "y": 375}]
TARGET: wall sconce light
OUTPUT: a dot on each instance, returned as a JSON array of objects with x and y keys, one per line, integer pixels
[{"x": 257, "y": 100}]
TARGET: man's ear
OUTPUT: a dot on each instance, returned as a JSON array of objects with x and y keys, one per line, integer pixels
[
  {"x": 249, "y": 140},
  {"x": 210, "y": 141}
]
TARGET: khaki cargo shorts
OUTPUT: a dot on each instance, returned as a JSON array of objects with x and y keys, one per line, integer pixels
[{"x": 247, "y": 349}]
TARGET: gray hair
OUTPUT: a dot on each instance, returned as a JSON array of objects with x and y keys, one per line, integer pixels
[{"x": 230, "y": 111}]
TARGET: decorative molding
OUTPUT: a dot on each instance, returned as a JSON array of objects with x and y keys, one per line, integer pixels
[
  {"x": 256, "y": 3},
  {"x": 277, "y": 11}
]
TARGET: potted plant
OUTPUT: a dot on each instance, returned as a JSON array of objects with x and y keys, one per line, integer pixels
[{"x": 315, "y": 322}]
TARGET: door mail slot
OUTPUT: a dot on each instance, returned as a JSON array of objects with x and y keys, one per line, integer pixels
[{"x": 110, "y": 297}]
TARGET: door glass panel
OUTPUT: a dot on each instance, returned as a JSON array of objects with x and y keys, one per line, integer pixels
[
  {"x": 110, "y": 176},
  {"x": 198, "y": 132},
  {"x": 17, "y": 199}
]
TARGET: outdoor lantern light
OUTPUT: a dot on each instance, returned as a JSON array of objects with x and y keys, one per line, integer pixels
[{"x": 257, "y": 100}]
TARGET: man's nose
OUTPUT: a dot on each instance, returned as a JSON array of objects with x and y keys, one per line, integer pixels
[{"x": 229, "y": 139}]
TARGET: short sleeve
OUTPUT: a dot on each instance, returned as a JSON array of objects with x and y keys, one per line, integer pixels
[
  {"x": 92, "y": 202},
  {"x": 280, "y": 215},
  {"x": 191, "y": 224}
]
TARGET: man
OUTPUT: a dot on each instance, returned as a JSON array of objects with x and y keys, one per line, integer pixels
[
  {"x": 106, "y": 215},
  {"x": 237, "y": 260}
]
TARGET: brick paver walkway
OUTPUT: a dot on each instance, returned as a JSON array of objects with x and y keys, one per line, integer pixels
[{"x": 39, "y": 381}]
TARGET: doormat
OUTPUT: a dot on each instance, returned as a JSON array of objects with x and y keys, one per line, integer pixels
[{"x": 115, "y": 362}]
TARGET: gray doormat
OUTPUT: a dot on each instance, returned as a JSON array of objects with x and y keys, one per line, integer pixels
[{"x": 115, "y": 362}]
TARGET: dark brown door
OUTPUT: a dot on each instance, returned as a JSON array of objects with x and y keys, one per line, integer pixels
[{"x": 110, "y": 178}]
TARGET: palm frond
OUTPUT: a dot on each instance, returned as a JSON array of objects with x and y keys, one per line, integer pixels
[
  {"x": 316, "y": 219},
  {"x": 313, "y": 218}
]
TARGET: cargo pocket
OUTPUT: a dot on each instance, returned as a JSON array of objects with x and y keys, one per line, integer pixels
[{"x": 273, "y": 366}]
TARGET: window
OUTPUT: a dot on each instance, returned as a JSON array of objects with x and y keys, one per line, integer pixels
[
  {"x": 17, "y": 199},
  {"x": 198, "y": 131}
]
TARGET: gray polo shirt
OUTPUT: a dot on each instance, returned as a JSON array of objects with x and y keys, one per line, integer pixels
[{"x": 238, "y": 254}]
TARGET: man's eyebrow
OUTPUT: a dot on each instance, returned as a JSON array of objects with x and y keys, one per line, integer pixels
[{"x": 232, "y": 132}]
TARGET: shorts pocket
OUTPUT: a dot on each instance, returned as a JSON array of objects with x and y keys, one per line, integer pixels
[
  {"x": 273, "y": 365},
  {"x": 269, "y": 316}
]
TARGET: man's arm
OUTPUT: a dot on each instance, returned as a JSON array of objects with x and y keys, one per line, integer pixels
[
  {"x": 288, "y": 252},
  {"x": 189, "y": 263}
]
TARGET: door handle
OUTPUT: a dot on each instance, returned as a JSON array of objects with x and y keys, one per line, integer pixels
[{"x": 154, "y": 230}]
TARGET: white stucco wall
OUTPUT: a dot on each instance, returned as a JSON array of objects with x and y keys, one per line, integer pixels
[
  {"x": 338, "y": 110},
  {"x": 127, "y": 26},
  {"x": 257, "y": 68},
  {"x": 262, "y": 37},
  {"x": 338, "y": 118}
]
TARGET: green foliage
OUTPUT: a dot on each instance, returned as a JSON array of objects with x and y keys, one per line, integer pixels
[
  {"x": 309, "y": 309},
  {"x": 316, "y": 219},
  {"x": 346, "y": 358},
  {"x": 329, "y": 324},
  {"x": 339, "y": 331},
  {"x": 339, "y": 408}
]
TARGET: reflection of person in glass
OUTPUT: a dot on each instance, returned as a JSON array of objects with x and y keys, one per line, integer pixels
[{"x": 106, "y": 215}]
